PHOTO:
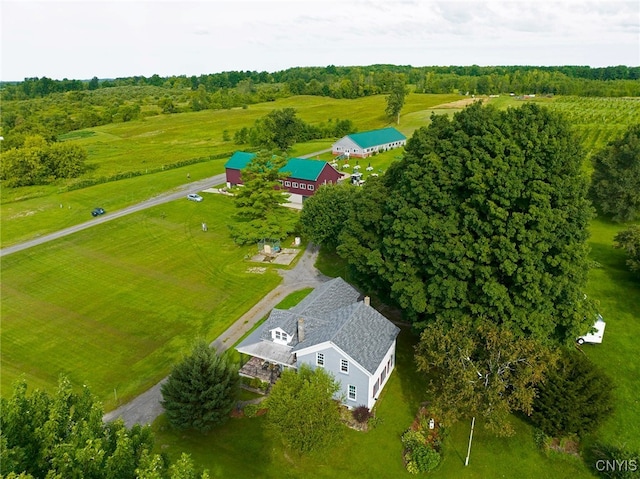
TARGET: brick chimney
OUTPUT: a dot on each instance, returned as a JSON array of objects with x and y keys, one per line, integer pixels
[
  {"x": 300, "y": 330},
  {"x": 367, "y": 300}
]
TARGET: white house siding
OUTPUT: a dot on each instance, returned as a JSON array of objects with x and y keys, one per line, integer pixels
[
  {"x": 383, "y": 370},
  {"x": 356, "y": 377},
  {"x": 345, "y": 145}
]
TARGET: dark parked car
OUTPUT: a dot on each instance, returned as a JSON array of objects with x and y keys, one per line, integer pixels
[{"x": 97, "y": 212}]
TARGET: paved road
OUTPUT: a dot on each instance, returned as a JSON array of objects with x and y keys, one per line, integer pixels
[
  {"x": 145, "y": 408},
  {"x": 175, "y": 194}
]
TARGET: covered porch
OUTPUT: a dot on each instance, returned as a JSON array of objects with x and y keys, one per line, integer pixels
[{"x": 266, "y": 371}]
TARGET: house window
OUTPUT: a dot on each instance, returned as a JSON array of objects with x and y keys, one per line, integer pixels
[
  {"x": 282, "y": 336},
  {"x": 295, "y": 184},
  {"x": 303, "y": 186},
  {"x": 311, "y": 187},
  {"x": 344, "y": 366},
  {"x": 287, "y": 183},
  {"x": 375, "y": 388},
  {"x": 320, "y": 359},
  {"x": 352, "y": 392}
]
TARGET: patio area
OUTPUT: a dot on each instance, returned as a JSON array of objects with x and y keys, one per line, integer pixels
[{"x": 263, "y": 370}]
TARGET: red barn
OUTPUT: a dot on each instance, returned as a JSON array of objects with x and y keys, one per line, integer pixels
[{"x": 305, "y": 176}]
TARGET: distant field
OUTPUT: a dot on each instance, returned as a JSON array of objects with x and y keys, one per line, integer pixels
[
  {"x": 115, "y": 305},
  {"x": 154, "y": 142}
]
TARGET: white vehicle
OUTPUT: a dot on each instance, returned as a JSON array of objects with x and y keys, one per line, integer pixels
[
  {"x": 194, "y": 197},
  {"x": 596, "y": 336}
]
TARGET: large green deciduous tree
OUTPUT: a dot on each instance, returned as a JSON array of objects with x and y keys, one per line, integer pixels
[
  {"x": 63, "y": 436},
  {"x": 201, "y": 390},
  {"x": 575, "y": 397},
  {"x": 302, "y": 411},
  {"x": 485, "y": 216},
  {"x": 615, "y": 183},
  {"x": 38, "y": 162},
  {"x": 324, "y": 213},
  {"x": 279, "y": 129},
  {"x": 479, "y": 368},
  {"x": 396, "y": 97}
]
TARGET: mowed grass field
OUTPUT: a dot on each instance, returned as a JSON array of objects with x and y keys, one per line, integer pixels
[{"x": 114, "y": 306}]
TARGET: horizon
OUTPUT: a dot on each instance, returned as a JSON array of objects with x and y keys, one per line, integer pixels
[
  {"x": 325, "y": 66},
  {"x": 77, "y": 39}
]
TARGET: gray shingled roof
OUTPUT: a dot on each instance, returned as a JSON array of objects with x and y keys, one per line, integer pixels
[
  {"x": 327, "y": 297},
  {"x": 332, "y": 313}
]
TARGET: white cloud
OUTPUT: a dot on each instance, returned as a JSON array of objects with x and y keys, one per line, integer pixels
[{"x": 83, "y": 38}]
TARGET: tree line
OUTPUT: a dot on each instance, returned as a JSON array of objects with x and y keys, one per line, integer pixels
[{"x": 328, "y": 81}]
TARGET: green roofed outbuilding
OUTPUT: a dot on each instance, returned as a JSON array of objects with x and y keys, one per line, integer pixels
[{"x": 305, "y": 176}]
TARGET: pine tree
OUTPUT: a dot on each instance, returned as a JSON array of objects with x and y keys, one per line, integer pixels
[
  {"x": 201, "y": 390},
  {"x": 575, "y": 398}
]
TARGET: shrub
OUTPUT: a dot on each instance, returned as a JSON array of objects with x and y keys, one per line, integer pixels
[
  {"x": 419, "y": 456},
  {"x": 251, "y": 410},
  {"x": 361, "y": 414}
]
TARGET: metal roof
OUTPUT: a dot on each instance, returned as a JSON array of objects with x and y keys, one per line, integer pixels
[
  {"x": 299, "y": 168},
  {"x": 367, "y": 139}
]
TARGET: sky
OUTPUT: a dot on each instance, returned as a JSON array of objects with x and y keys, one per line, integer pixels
[{"x": 80, "y": 39}]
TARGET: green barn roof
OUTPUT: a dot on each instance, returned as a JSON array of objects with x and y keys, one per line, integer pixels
[
  {"x": 299, "y": 168},
  {"x": 367, "y": 139},
  {"x": 239, "y": 160}
]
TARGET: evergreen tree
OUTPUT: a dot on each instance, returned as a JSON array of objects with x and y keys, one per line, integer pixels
[
  {"x": 259, "y": 202},
  {"x": 575, "y": 398},
  {"x": 201, "y": 390}
]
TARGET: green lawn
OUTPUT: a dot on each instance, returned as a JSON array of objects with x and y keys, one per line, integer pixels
[
  {"x": 116, "y": 305},
  {"x": 374, "y": 454},
  {"x": 150, "y": 143},
  {"x": 25, "y": 219},
  {"x": 618, "y": 294}
]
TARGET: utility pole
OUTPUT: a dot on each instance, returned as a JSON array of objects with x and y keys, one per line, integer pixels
[{"x": 473, "y": 422}]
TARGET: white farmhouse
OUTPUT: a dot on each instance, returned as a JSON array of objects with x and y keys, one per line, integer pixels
[{"x": 332, "y": 329}]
